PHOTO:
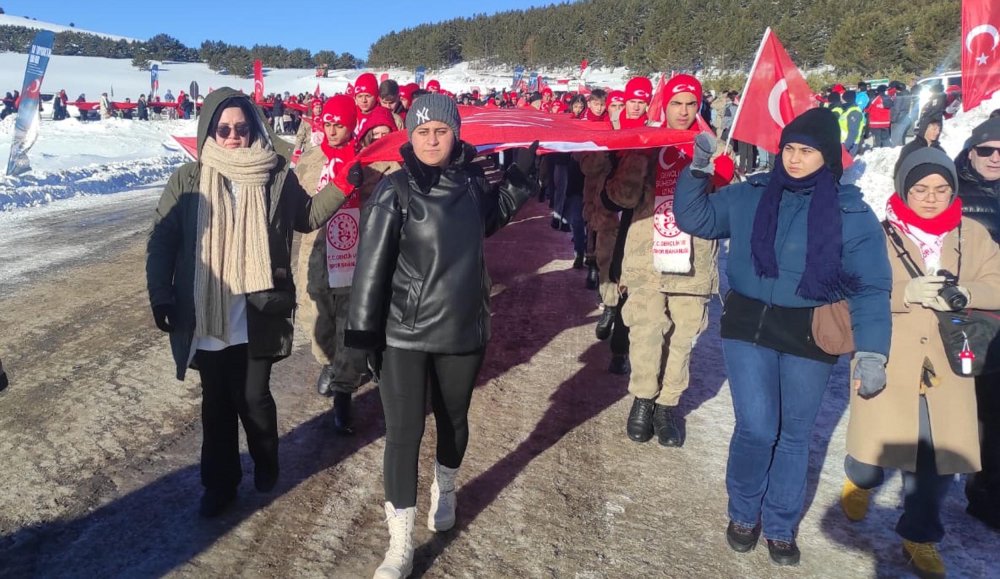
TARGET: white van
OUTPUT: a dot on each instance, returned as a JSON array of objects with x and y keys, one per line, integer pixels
[{"x": 944, "y": 80}]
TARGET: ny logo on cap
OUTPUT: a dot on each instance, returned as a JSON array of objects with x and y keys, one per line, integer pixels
[{"x": 423, "y": 115}]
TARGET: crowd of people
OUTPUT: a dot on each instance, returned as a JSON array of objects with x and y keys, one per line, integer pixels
[{"x": 396, "y": 289}]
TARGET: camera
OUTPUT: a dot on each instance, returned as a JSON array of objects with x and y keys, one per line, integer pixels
[{"x": 953, "y": 296}]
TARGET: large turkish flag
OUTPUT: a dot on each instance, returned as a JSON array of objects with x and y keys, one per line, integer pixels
[{"x": 980, "y": 58}]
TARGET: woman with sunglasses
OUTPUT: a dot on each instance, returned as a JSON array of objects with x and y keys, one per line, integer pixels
[
  {"x": 218, "y": 271},
  {"x": 923, "y": 420}
]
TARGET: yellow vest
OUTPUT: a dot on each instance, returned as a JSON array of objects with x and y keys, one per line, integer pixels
[{"x": 843, "y": 114}]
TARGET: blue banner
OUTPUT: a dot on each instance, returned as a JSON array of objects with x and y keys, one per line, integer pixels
[
  {"x": 26, "y": 126},
  {"x": 533, "y": 81},
  {"x": 418, "y": 76},
  {"x": 154, "y": 80},
  {"x": 518, "y": 75}
]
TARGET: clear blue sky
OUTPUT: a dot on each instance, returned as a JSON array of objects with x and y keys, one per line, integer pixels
[{"x": 350, "y": 26}]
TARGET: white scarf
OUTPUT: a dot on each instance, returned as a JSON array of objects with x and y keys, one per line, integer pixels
[{"x": 929, "y": 244}]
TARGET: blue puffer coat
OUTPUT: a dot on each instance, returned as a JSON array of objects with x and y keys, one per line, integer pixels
[{"x": 730, "y": 212}]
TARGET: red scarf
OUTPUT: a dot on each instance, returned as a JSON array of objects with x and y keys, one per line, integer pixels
[
  {"x": 337, "y": 159},
  {"x": 946, "y": 221}
]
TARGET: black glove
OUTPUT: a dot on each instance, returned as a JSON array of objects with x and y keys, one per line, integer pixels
[
  {"x": 356, "y": 175},
  {"x": 163, "y": 316},
  {"x": 374, "y": 359},
  {"x": 526, "y": 159}
]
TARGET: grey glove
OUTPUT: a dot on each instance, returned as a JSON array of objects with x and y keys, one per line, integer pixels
[
  {"x": 705, "y": 145},
  {"x": 869, "y": 374},
  {"x": 922, "y": 290}
]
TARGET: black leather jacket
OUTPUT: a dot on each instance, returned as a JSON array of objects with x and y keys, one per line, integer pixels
[
  {"x": 980, "y": 198},
  {"x": 422, "y": 284}
]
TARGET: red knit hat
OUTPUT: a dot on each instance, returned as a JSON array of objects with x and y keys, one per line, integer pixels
[
  {"x": 433, "y": 86},
  {"x": 640, "y": 88},
  {"x": 340, "y": 110},
  {"x": 379, "y": 117},
  {"x": 616, "y": 96},
  {"x": 547, "y": 91},
  {"x": 366, "y": 84},
  {"x": 682, "y": 83}
]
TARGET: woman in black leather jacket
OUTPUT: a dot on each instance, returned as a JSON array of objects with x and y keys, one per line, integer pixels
[{"x": 420, "y": 304}]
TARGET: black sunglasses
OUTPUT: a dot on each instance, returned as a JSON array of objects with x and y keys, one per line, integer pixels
[
  {"x": 986, "y": 151},
  {"x": 242, "y": 130}
]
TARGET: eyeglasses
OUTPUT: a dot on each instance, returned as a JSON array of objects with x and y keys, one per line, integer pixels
[
  {"x": 223, "y": 131},
  {"x": 986, "y": 151},
  {"x": 942, "y": 193}
]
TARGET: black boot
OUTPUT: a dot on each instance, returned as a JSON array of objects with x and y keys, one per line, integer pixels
[
  {"x": 593, "y": 277},
  {"x": 640, "y": 420},
  {"x": 3, "y": 378},
  {"x": 555, "y": 223},
  {"x": 619, "y": 365},
  {"x": 265, "y": 477},
  {"x": 665, "y": 423},
  {"x": 342, "y": 413},
  {"x": 742, "y": 539},
  {"x": 983, "y": 505},
  {"x": 578, "y": 261},
  {"x": 605, "y": 323},
  {"x": 215, "y": 502},
  {"x": 564, "y": 226},
  {"x": 325, "y": 381},
  {"x": 783, "y": 552}
]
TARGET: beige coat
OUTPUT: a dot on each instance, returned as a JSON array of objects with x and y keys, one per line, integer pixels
[
  {"x": 883, "y": 430},
  {"x": 633, "y": 186}
]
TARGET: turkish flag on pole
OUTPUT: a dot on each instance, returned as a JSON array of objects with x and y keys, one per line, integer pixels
[
  {"x": 316, "y": 92},
  {"x": 775, "y": 94},
  {"x": 980, "y": 58},
  {"x": 657, "y": 109},
  {"x": 258, "y": 82}
]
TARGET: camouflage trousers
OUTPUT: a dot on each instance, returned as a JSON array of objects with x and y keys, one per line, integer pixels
[
  {"x": 324, "y": 313},
  {"x": 663, "y": 329},
  {"x": 604, "y": 249}
]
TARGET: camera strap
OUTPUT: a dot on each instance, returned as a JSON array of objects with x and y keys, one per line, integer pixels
[{"x": 901, "y": 252}]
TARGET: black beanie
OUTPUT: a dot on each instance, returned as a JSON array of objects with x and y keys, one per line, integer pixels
[
  {"x": 817, "y": 128},
  {"x": 988, "y": 130},
  {"x": 921, "y": 171}
]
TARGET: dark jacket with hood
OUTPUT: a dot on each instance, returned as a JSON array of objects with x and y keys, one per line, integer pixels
[
  {"x": 171, "y": 257},
  {"x": 421, "y": 282},
  {"x": 918, "y": 142},
  {"x": 980, "y": 198}
]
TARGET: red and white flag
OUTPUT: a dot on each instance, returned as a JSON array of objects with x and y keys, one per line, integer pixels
[
  {"x": 657, "y": 109},
  {"x": 776, "y": 92},
  {"x": 980, "y": 57},
  {"x": 316, "y": 92},
  {"x": 258, "y": 82}
]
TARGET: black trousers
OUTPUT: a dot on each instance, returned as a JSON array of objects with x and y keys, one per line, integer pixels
[
  {"x": 619, "y": 334},
  {"x": 988, "y": 402},
  {"x": 235, "y": 386},
  {"x": 406, "y": 377}
]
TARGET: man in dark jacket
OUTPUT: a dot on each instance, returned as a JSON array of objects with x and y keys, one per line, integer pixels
[
  {"x": 903, "y": 114},
  {"x": 979, "y": 187}
]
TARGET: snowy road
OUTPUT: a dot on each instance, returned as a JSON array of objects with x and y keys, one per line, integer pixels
[
  {"x": 71, "y": 233},
  {"x": 100, "y": 444}
]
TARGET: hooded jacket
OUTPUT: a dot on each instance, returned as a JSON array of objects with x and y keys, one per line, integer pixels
[
  {"x": 421, "y": 283},
  {"x": 171, "y": 249}
]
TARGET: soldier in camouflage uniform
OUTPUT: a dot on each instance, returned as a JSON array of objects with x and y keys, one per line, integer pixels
[{"x": 665, "y": 312}]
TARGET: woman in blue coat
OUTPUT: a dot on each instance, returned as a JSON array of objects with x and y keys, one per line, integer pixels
[{"x": 799, "y": 239}]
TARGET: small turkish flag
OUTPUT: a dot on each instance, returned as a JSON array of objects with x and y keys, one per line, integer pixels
[
  {"x": 980, "y": 58},
  {"x": 776, "y": 93}
]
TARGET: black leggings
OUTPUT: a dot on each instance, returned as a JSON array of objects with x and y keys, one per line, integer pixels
[
  {"x": 235, "y": 387},
  {"x": 406, "y": 376}
]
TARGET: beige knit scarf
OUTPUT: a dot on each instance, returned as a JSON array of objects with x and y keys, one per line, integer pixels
[{"x": 232, "y": 245}]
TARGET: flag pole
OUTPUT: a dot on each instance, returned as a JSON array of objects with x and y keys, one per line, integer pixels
[{"x": 753, "y": 69}]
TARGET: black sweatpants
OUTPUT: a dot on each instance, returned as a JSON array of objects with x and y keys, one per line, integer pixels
[
  {"x": 406, "y": 377},
  {"x": 235, "y": 385}
]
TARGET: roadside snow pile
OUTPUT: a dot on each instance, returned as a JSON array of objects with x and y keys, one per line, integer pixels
[{"x": 74, "y": 158}]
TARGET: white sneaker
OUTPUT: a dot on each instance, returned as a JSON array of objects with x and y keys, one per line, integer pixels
[
  {"x": 398, "y": 562},
  {"x": 442, "y": 514}
]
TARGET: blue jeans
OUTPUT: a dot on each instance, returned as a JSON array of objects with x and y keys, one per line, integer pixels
[
  {"x": 776, "y": 397},
  {"x": 923, "y": 491}
]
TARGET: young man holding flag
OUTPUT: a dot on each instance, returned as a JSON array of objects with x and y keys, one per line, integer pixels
[{"x": 669, "y": 276}]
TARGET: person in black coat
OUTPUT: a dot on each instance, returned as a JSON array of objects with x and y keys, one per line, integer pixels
[
  {"x": 420, "y": 304},
  {"x": 928, "y": 134},
  {"x": 979, "y": 188}
]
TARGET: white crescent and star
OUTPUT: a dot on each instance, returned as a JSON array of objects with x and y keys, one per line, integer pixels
[
  {"x": 774, "y": 102},
  {"x": 982, "y": 29}
]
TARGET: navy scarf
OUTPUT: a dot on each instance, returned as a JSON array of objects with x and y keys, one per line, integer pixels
[{"x": 822, "y": 279}]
